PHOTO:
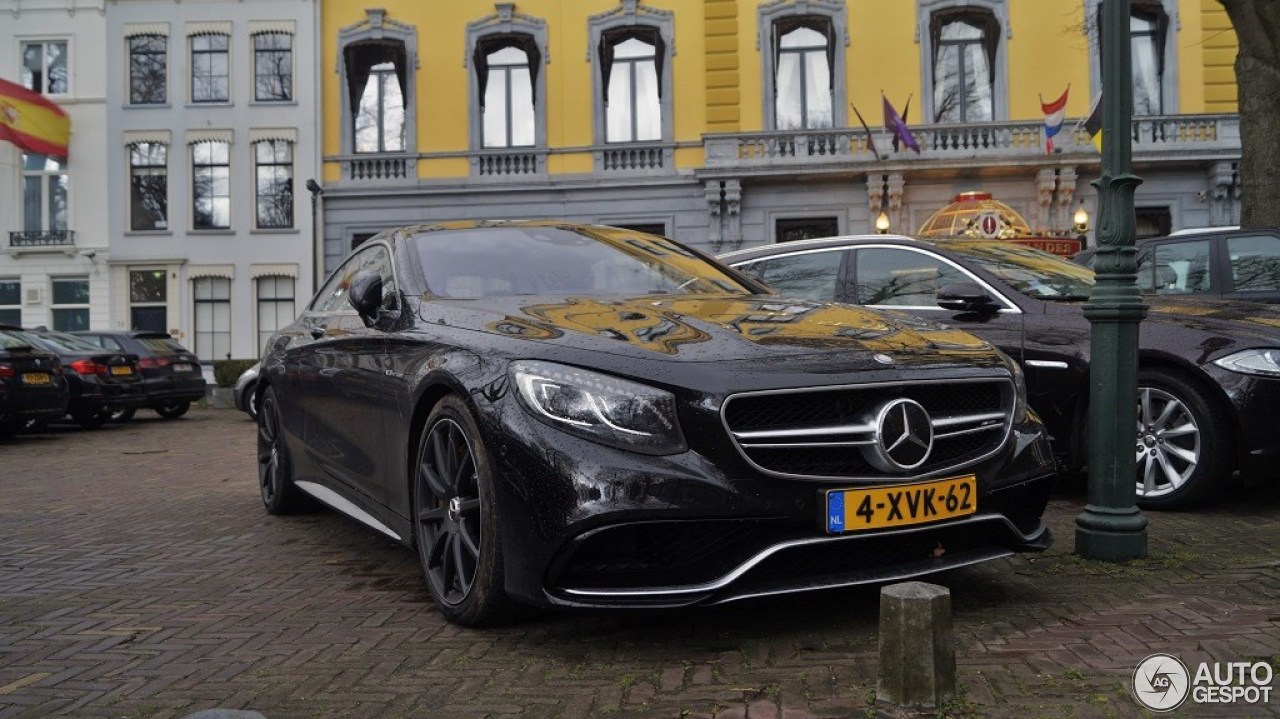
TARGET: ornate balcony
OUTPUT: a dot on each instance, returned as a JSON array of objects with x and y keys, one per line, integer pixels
[
  {"x": 993, "y": 143},
  {"x": 508, "y": 163},
  {"x": 43, "y": 238},
  {"x": 379, "y": 168}
]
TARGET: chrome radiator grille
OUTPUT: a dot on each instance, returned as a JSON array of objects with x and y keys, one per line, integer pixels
[{"x": 871, "y": 431}]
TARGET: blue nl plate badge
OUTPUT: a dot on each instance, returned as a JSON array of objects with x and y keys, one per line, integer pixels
[{"x": 835, "y": 512}]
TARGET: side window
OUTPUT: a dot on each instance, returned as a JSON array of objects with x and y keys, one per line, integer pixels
[
  {"x": 895, "y": 277},
  {"x": 810, "y": 275},
  {"x": 333, "y": 298},
  {"x": 1255, "y": 263},
  {"x": 1182, "y": 268},
  {"x": 1146, "y": 271}
]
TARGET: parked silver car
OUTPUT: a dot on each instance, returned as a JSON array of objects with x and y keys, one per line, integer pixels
[{"x": 246, "y": 391}]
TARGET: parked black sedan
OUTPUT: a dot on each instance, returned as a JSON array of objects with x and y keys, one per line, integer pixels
[
  {"x": 171, "y": 374},
  {"x": 1209, "y": 379},
  {"x": 587, "y": 416},
  {"x": 32, "y": 387},
  {"x": 101, "y": 381}
]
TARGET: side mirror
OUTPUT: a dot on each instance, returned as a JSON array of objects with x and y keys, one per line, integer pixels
[
  {"x": 365, "y": 295},
  {"x": 966, "y": 297}
]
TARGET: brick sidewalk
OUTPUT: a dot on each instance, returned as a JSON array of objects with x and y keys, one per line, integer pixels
[{"x": 140, "y": 577}]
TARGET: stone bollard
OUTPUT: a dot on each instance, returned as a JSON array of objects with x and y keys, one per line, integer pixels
[{"x": 917, "y": 648}]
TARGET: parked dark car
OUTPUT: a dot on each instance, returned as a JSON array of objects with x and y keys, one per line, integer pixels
[
  {"x": 101, "y": 382},
  {"x": 1225, "y": 263},
  {"x": 587, "y": 416},
  {"x": 171, "y": 374},
  {"x": 1209, "y": 370},
  {"x": 246, "y": 391},
  {"x": 32, "y": 387}
]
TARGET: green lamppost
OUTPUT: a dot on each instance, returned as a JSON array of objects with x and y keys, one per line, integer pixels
[{"x": 1111, "y": 528}]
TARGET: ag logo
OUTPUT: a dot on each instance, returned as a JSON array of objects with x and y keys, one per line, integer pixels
[{"x": 1161, "y": 683}]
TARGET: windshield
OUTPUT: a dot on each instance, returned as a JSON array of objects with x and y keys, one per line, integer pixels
[
  {"x": 596, "y": 261},
  {"x": 1029, "y": 271},
  {"x": 13, "y": 341},
  {"x": 67, "y": 343},
  {"x": 161, "y": 345}
]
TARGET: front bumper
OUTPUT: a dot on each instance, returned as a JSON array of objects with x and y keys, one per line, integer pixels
[
  {"x": 1255, "y": 403},
  {"x": 588, "y": 525}
]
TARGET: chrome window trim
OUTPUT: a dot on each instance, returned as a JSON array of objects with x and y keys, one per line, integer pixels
[{"x": 1007, "y": 427}]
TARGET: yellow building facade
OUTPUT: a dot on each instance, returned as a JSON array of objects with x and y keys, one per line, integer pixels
[{"x": 719, "y": 157}]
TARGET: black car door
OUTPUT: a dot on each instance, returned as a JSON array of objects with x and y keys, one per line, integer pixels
[
  {"x": 339, "y": 385},
  {"x": 907, "y": 279}
]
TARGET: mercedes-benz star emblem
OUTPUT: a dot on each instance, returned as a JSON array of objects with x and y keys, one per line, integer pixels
[{"x": 903, "y": 437}]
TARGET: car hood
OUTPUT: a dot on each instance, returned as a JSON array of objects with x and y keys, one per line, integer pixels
[{"x": 716, "y": 329}]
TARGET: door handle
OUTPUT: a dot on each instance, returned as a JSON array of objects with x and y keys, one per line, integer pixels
[{"x": 317, "y": 332}]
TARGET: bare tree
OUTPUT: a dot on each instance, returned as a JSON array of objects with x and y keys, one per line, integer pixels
[{"x": 1257, "y": 26}]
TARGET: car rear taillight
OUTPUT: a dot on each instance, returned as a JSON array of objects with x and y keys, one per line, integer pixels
[
  {"x": 6, "y": 370},
  {"x": 88, "y": 366},
  {"x": 150, "y": 363}
]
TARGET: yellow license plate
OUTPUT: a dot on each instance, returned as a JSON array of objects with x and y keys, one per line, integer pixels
[
  {"x": 855, "y": 510},
  {"x": 121, "y": 370},
  {"x": 35, "y": 378}
]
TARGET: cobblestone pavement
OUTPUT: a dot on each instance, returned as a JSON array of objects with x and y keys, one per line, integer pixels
[{"x": 140, "y": 577}]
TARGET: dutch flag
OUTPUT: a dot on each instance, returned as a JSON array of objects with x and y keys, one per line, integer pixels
[{"x": 1054, "y": 114}]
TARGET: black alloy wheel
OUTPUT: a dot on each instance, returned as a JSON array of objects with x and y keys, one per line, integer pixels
[
  {"x": 456, "y": 530},
  {"x": 123, "y": 415},
  {"x": 173, "y": 410},
  {"x": 275, "y": 471},
  {"x": 247, "y": 401}
]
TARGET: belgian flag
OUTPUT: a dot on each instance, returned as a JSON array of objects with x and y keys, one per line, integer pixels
[{"x": 1093, "y": 124}]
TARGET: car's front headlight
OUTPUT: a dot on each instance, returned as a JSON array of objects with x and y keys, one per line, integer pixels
[
  {"x": 1259, "y": 362},
  {"x": 1020, "y": 388},
  {"x": 600, "y": 407}
]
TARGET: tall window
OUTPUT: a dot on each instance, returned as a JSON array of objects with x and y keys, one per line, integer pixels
[
  {"x": 213, "y": 317},
  {"x": 211, "y": 185},
  {"x": 273, "y": 183},
  {"x": 44, "y": 67},
  {"x": 10, "y": 301},
  {"x": 147, "y": 307},
  {"x": 1146, "y": 40},
  {"x": 633, "y": 95},
  {"x": 376, "y": 80},
  {"x": 964, "y": 43},
  {"x": 44, "y": 194},
  {"x": 70, "y": 303},
  {"x": 802, "y": 84},
  {"x": 275, "y": 307},
  {"x": 1152, "y": 55},
  {"x": 148, "y": 69},
  {"x": 210, "y": 68},
  {"x": 148, "y": 186},
  {"x": 272, "y": 67},
  {"x": 506, "y": 81}
]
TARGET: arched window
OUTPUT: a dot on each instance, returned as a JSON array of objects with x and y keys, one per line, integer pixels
[
  {"x": 1152, "y": 54},
  {"x": 802, "y": 47},
  {"x": 965, "y": 43},
  {"x": 802, "y": 82},
  {"x": 631, "y": 62},
  {"x": 377, "y": 60},
  {"x": 506, "y": 69}
]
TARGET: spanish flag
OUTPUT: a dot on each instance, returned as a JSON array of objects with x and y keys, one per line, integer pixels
[{"x": 32, "y": 122}]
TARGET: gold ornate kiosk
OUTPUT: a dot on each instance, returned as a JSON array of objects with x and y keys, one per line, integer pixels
[{"x": 976, "y": 215}]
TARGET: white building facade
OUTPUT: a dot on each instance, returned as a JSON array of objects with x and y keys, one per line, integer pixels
[
  {"x": 55, "y": 245},
  {"x": 211, "y": 137}
]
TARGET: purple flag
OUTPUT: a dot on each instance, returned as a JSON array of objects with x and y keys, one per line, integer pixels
[{"x": 895, "y": 124}]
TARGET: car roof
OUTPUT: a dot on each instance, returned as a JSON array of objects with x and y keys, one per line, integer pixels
[
  {"x": 821, "y": 242},
  {"x": 454, "y": 225},
  {"x": 136, "y": 334}
]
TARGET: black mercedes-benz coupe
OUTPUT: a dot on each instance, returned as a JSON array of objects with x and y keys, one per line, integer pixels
[
  {"x": 1209, "y": 370},
  {"x": 574, "y": 415}
]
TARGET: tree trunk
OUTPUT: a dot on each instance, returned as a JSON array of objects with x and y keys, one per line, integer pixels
[{"x": 1257, "y": 26}]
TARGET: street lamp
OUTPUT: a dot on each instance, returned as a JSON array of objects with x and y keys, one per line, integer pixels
[
  {"x": 882, "y": 223},
  {"x": 317, "y": 227},
  {"x": 1111, "y": 528},
  {"x": 1081, "y": 219}
]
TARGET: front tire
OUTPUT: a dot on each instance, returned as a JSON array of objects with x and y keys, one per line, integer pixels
[
  {"x": 1183, "y": 449},
  {"x": 173, "y": 410},
  {"x": 456, "y": 525},
  {"x": 92, "y": 420},
  {"x": 275, "y": 469}
]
